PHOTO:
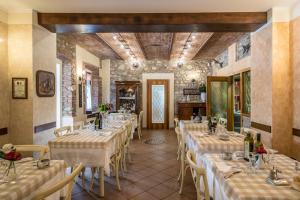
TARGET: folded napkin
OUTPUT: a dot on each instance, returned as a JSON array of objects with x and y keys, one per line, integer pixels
[
  {"x": 23, "y": 160},
  {"x": 105, "y": 133},
  {"x": 238, "y": 155},
  {"x": 227, "y": 170},
  {"x": 69, "y": 134},
  {"x": 201, "y": 134}
]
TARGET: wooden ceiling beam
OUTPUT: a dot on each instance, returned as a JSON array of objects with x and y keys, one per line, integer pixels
[
  {"x": 217, "y": 44},
  {"x": 152, "y": 22}
]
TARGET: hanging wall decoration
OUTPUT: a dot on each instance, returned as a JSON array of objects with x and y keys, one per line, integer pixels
[
  {"x": 45, "y": 84},
  {"x": 19, "y": 88}
]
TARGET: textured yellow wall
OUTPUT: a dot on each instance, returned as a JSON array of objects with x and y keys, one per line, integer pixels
[
  {"x": 295, "y": 58},
  {"x": 282, "y": 101},
  {"x": 20, "y": 65},
  {"x": 44, "y": 58},
  {"x": 4, "y": 90}
]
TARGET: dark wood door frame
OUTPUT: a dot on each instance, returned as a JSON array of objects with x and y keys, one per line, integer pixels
[
  {"x": 152, "y": 22},
  {"x": 149, "y": 103},
  {"x": 229, "y": 98}
]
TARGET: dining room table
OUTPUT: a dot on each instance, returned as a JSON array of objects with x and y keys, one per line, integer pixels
[
  {"x": 91, "y": 147},
  {"x": 125, "y": 116},
  {"x": 29, "y": 179},
  {"x": 235, "y": 179}
]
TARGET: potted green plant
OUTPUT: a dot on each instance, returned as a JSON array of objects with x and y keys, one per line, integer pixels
[{"x": 202, "y": 91}]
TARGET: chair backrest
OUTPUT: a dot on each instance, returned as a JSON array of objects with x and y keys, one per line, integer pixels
[
  {"x": 67, "y": 181},
  {"x": 63, "y": 130},
  {"x": 197, "y": 172},
  {"x": 141, "y": 118},
  {"x": 176, "y": 120},
  {"x": 90, "y": 120},
  {"x": 42, "y": 150},
  {"x": 78, "y": 125}
]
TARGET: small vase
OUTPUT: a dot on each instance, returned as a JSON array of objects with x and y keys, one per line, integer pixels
[
  {"x": 10, "y": 173},
  {"x": 260, "y": 162},
  {"x": 203, "y": 97}
]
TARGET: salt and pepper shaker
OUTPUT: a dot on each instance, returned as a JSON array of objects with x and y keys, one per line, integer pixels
[{"x": 274, "y": 174}]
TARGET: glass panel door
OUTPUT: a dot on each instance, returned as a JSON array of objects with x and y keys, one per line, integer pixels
[
  {"x": 219, "y": 99},
  {"x": 158, "y": 103},
  {"x": 237, "y": 102}
]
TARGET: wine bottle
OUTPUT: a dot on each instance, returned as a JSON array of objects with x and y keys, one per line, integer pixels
[
  {"x": 248, "y": 146},
  {"x": 100, "y": 121},
  {"x": 258, "y": 143}
]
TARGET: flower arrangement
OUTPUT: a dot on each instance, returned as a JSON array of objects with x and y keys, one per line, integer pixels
[
  {"x": 260, "y": 149},
  {"x": 202, "y": 87},
  {"x": 105, "y": 107},
  {"x": 8, "y": 152}
]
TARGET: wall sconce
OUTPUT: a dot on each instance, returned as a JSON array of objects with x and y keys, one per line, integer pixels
[{"x": 72, "y": 88}]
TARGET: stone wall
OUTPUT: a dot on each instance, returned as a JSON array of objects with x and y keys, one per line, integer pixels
[
  {"x": 122, "y": 71},
  {"x": 66, "y": 52}
]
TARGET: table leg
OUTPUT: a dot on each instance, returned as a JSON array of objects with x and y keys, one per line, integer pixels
[{"x": 101, "y": 181}]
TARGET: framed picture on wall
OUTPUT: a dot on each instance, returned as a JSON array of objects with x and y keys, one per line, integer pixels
[
  {"x": 45, "y": 84},
  {"x": 19, "y": 88}
]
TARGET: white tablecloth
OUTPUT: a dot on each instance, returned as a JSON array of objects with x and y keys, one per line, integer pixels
[{"x": 30, "y": 180}]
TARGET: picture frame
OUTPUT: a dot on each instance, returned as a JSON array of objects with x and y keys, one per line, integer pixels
[
  {"x": 45, "y": 84},
  {"x": 19, "y": 88}
]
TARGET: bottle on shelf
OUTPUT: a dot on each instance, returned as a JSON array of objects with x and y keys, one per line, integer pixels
[{"x": 248, "y": 146}]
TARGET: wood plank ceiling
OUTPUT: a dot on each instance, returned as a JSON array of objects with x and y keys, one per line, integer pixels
[{"x": 169, "y": 46}]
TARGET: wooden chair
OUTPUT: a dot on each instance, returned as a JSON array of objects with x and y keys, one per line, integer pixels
[
  {"x": 140, "y": 124},
  {"x": 177, "y": 131},
  {"x": 115, "y": 161},
  {"x": 197, "y": 173},
  {"x": 90, "y": 120},
  {"x": 126, "y": 151},
  {"x": 58, "y": 132},
  {"x": 67, "y": 181},
  {"x": 42, "y": 150},
  {"x": 77, "y": 125}
]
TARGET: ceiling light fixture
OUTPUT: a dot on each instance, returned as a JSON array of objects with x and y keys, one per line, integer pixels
[
  {"x": 125, "y": 46},
  {"x": 187, "y": 45}
]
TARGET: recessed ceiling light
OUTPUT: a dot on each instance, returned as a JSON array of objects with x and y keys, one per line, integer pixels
[
  {"x": 193, "y": 37},
  {"x": 122, "y": 46},
  {"x": 189, "y": 45},
  {"x": 115, "y": 37}
]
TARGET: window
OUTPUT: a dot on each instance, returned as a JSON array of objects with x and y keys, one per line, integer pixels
[{"x": 88, "y": 92}]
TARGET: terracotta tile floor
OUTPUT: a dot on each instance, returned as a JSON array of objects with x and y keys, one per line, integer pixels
[{"x": 152, "y": 174}]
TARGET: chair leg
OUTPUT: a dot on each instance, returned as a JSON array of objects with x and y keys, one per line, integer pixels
[
  {"x": 93, "y": 169},
  {"x": 117, "y": 173},
  {"x": 124, "y": 161},
  {"x": 139, "y": 133},
  {"x": 83, "y": 178},
  {"x": 179, "y": 175}
]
